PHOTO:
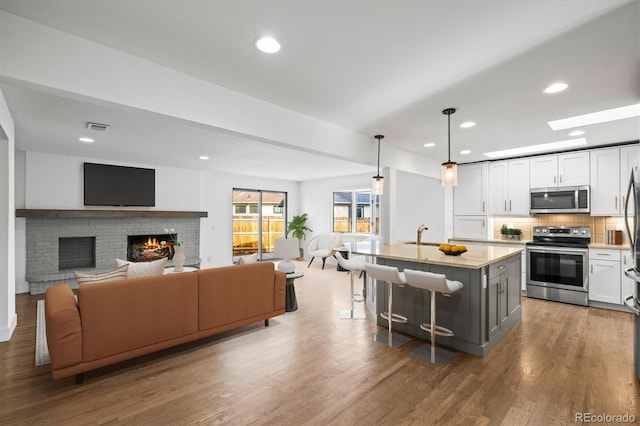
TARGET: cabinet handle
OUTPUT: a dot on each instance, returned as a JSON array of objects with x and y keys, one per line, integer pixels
[
  {"x": 604, "y": 254},
  {"x": 554, "y": 179},
  {"x": 502, "y": 267},
  {"x": 509, "y": 205},
  {"x": 616, "y": 203},
  {"x": 592, "y": 269},
  {"x": 624, "y": 197},
  {"x": 483, "y": 223},
  {"x": 560, "y": 178},
  {"x": 505, "y": 205},
  {"x": 483, "y": 207}
]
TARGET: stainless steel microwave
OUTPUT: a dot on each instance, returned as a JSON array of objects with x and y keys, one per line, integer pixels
[{"x": 568, "y": 199}]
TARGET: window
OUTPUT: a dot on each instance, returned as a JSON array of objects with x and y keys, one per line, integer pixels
[
  {"x": 258, "y": 220},
  {"x": 346, "y": 203}
]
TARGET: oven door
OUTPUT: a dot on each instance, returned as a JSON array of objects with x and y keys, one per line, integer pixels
[{"x": 563, "y": 268}]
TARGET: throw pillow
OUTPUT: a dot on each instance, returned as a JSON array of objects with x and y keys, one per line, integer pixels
[
  {"x": 250, "y": 258},
  {"x": 143, "y": 269},
  {"x": 117, "y": 274}
]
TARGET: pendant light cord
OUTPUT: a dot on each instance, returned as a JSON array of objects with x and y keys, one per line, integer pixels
[
  {"x": 378, "y": 156},
  {"x": 449, "y": 135},
  {"x": 379, "y": 137}
]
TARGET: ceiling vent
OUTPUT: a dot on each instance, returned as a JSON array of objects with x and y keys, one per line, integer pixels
[{"x": 97, "y": 127}]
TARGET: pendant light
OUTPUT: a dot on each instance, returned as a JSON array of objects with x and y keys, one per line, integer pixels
[
  {"x": 450, "y": 168},
  {"x": 377, "y": 182}
]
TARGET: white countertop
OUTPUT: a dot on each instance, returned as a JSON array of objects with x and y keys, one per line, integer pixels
[{"x": 475, "y": 258}]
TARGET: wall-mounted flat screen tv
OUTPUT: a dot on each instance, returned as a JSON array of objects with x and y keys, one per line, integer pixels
[{"x": 108, "y": 185}]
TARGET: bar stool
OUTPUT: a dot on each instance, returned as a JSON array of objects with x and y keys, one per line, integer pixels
[
  {"x": 434, "y": 283},
  {"x": 390, "y": 275},
  {"x": 354, "y": 265}
]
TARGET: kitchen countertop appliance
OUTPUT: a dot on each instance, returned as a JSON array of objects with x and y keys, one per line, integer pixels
[
  {"x": 557, "y": 264},
  {"x": 633, "y": 300}
]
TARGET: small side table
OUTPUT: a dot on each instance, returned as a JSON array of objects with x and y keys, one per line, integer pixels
[
  {"x": 291, "y": 303},
  {"x": 172, "y": 270}
]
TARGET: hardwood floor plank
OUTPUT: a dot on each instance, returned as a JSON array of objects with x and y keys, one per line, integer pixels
[{"x": 311, "y": 367}]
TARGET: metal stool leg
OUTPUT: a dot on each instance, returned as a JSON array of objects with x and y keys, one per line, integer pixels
[
  {"x": 436, "y": 355},
  {"x": 393, "y": 340},
  {"x": 352, "y": 313}
]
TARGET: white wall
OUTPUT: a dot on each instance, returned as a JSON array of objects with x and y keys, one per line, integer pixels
[
  {"x": 56, "y": 182},
  {"x": 8, "y": 317},
  {"x": 420, "y": 200},
  {"x": 409, "y": 200}
]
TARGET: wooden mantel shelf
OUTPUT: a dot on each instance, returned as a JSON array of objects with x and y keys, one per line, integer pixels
[{"x": 107, "y": 213}]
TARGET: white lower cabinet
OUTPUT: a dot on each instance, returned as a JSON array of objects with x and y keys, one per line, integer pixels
[{"x": 604, "y": 275}]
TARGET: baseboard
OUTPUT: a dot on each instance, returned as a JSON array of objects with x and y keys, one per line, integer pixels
[{"x": 7, "y": 332}]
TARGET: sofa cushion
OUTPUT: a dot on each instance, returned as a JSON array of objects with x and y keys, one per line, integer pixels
[
  {"x": 117, "y": 274},
  {"x": 143, "y": 269},
  {"x": 250, "y": 258},
  {"x": 234, "y": 293},
  {"x": 123, "y": 316}
]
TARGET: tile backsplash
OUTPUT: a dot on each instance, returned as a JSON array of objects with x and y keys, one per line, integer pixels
[{"x": 599, "y": 224}]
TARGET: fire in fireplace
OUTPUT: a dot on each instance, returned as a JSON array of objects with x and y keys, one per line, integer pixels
[{"x": 145, "y": 248}]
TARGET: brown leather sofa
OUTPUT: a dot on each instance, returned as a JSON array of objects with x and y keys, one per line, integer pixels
[{"x": 119, "y": 320}]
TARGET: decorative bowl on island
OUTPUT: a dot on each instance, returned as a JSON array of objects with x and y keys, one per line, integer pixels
[{"x": 452, "y": 249}]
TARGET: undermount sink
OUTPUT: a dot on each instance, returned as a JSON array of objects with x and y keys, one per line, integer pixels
[{"x": 422, "y": 243}]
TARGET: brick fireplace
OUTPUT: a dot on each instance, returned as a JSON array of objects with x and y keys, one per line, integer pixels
[{"x": 90, "y": 240}]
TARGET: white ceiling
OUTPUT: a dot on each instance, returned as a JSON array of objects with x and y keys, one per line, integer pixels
[{"x": 370, "y": 66}]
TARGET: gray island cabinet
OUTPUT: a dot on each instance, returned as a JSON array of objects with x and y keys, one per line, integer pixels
[{"x": 480, "y": 315}]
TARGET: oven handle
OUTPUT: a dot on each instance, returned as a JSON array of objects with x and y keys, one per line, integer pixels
[
  {"x": 633, "y": 307},
  {"x": 541, "y": 249}
]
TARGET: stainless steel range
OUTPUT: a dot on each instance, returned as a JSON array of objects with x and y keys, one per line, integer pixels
[{"x": 557, "y": 264}]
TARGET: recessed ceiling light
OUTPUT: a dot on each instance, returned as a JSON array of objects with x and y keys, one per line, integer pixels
[
  {"x": 87, "y": 140},
  {"x": 556, "y": 87},
  {"x": 596, "y": 117},
  {"x": 204, "y": 157},
  {"x": 268, "y": 45},
  {"x": 465, "y": 151},
  {"x": 429, "y": 145},
  {"x": 537, "y": 148},
  {"x": 577, "y": 133},
  {"x": 467, "y": 124}
]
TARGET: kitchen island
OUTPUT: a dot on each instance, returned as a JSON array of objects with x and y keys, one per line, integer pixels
[{"x": 480, "y": 315}]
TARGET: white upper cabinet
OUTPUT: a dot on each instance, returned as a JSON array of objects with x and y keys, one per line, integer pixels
[
  {"x": 610, "y": 173},
  {"x": 470, "y": 195},
  {"x": 509, "y": 187},
  {"x": 543, "y": 171},
  {"x": 605, "y": 182},
  {"x": 571, "y": 169}
]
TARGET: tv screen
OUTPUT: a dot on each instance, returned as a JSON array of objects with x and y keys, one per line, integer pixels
[{"x": 107, "y": 185}]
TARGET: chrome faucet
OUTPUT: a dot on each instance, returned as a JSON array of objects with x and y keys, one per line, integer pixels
[{"x": 421, "y": 229}]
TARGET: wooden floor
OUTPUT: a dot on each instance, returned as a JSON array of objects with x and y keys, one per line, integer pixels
[{"x": 310, "y": 367}]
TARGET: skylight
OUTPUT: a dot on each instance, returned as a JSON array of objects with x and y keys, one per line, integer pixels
[
  {"x": 536, "y": 148},
  {"x": 596, "y": 117}
]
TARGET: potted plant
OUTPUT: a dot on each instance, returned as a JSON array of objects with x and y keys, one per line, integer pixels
[
  {"x": 504, "y": 231},
  {"x": 515, "y": 233},
  {"x": 297, "y": 227}
]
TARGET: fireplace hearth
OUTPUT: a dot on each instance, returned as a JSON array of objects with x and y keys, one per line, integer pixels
[{"x": 145, "y": 248}]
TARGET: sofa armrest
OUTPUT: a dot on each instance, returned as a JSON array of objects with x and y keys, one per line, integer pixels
[
  {"x": 64, "y": 328},
  {"x": 279, "y": 296}
]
